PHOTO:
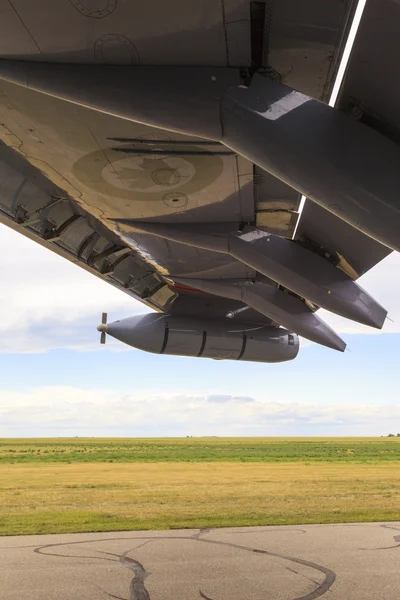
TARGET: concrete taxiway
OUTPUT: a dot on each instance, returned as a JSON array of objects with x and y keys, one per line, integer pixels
[{"x": 346, "y": 562}]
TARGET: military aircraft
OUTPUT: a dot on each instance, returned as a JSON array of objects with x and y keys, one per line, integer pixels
[{"x": 188, "y": 153}]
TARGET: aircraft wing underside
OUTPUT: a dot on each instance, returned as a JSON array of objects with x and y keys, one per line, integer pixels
[{"x": 152, "y": 205}]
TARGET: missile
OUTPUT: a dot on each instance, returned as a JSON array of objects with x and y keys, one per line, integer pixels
[
  {"x": 275, "y": 304},
  {"x": 288, "y": 263},
  {"x": 339, "y": 163}
]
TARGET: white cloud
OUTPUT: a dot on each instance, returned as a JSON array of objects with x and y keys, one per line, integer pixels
[
  {"x": 70, "y": 411},
  {"x": 48, "y": 303}
]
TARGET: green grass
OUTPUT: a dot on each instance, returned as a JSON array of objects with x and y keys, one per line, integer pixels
[
  {"x": 61, "y": 498},
  {"x": 89, "y": 522},
  {"x": 71, "y": 485},
  {"x": 269, "y": 450}
]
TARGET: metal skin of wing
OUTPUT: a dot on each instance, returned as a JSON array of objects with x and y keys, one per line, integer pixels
[
  {"x": 167, "y": 156},
  {"x": 347, "y": 168}
]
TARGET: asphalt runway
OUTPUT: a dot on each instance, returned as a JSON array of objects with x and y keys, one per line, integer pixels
[{"x": 346, "y": 562}]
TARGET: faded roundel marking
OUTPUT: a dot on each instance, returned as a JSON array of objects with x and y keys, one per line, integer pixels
[
  {"x": 112, "y": 48},
  {"x": 95, "y": 9},
  {"x": 147, "y": 177},
  {"x": 166, "y": 176}
]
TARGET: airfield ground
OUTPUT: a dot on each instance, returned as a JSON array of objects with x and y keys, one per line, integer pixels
[{"x": 82, "y": 485}]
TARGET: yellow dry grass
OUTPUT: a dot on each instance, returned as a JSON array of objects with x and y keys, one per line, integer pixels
[{"x": 59, "y": 497}]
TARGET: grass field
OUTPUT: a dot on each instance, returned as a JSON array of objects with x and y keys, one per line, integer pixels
[
  {"x": 332, "y": 450},
  {"x": 66, "y": 485}
]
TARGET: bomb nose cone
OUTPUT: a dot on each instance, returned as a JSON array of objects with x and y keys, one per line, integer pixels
[{"x": 103, "y": 328}]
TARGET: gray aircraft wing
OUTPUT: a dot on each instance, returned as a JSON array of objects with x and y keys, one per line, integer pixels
[
  {"x": 85, "y": 180},
  {"x": 370, "y": 94}
]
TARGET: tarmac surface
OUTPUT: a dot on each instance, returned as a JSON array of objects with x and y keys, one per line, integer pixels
[{"x": 346, "y": 562}]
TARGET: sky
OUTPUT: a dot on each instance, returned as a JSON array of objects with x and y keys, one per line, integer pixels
[{"x": 57, "y": 380}]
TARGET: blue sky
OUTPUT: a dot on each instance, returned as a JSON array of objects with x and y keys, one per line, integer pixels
[{"x": 57, "y": 380}]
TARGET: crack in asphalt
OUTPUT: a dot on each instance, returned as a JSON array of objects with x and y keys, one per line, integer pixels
[
  {"x": 107, "y": 593},
  {"x": 201, "y": 532},
  {"x": 395, "y": 537},
  {"x": 207, "y": 530},
  {"x": 302, "y": 575},
  {"x": 204, "y": 596},
  {"x": 137, "y": 588},
  {"x": 266, "y": 530}
]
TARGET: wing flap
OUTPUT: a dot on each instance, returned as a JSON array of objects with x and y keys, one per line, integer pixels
[
  {"x": 358, "y": 252},
  {"x": 371, "y": 90}
]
